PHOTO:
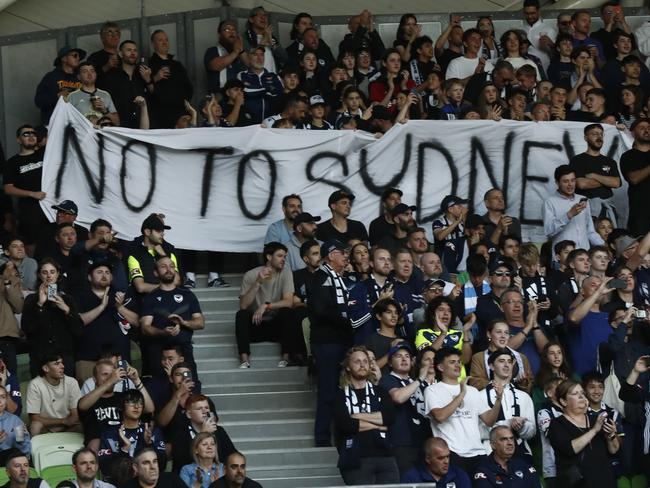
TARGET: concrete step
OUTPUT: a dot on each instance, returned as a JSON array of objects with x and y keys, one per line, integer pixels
[
  {"x": 232, "y": 362},
  {"x": 273, "y": 400},
  {"x": 253, "y": 415},
  {"x": 292, "y": 457},
  {"x": 230, "y": 292},
  {"x": 292, "y": 374},
  {"x": 275, "y": 386},
  {"x": 296, "y": 471},
  {"x": 233, "y": 279},
  {"x": 215, "y": 302},
  {"x": 301, "y": 481},
  {"x": 286, "y": 442},
  {"x": 263, "y": 428},
  {"x": 228, "y": 346}
]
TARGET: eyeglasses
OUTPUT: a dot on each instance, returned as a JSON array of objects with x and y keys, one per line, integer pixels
[
  {"x": 30, "y": 133},
  {"x": 112, "y": 32},
  {"x": 501, "y": 273}
]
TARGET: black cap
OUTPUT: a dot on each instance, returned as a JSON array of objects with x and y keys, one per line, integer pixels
[
  {"x": 389, "y": 191},
  {"x": 402, "y": 345},
  {"x": 401, "y": 208},
  {"x": 501, "y": 263},
  {"x": 473, "y": 221},
  {"x": 303, "y": 217},
  {"x": 65, "y": 50},
  {"x": 98, "y": 264},
  {"x": 450, "y": 200},
  {"x": 331, "y": 245},
  {"x": 153, "y": 223},
  {"x": 67, "y": 206},
  {"x": 343, "y": 120},
  {"x": 431, "y": 282},
  {"x": 340, "y": 195}
]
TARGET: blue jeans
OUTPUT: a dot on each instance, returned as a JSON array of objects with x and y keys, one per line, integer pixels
[{"x": 328, "y": 362}]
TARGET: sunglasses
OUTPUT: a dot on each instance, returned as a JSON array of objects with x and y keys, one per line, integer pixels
[
  {"x": 501, "y": 273},
  {"x": 28, "y": 134}
]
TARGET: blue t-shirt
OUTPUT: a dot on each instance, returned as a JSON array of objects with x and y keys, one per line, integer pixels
[
  {"x": 585, "y": 338},
  {"x": 408, "y": 430}
]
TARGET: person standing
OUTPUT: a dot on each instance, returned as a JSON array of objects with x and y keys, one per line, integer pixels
[{"x": 635, "y": 166}]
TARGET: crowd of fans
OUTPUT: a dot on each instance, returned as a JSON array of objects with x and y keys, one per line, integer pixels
[{"x": 475, "y": 360}]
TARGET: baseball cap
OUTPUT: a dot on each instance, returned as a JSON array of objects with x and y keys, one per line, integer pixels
[
  {"x": 340, "y": 195},
  {"x": 622, "y": 243},
  {"x": 432, "y": 282},
  {"x": 65, "y": 50},
  {"x": 450, "y": 200},
  {"x": 501, "y": 263},
  {"x": 330, "y": 246},
  {"x": 316, "y": 100},
  {"x": 67, "y": 206},
  {"x": 153, "y": 223},
  {"x": 401, "y": 208},
  {"x": 397, "y": 347},
  {"x": 303, "y": 217},
  {"x": 98, "y": 264}
]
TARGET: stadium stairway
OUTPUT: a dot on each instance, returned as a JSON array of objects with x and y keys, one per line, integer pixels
[{"x": 267, "y": 411}]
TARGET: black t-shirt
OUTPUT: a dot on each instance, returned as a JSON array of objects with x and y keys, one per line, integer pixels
[
  {"x": 356, "y": 230},
  {"x": 109, "y": 331},
  {"x": 639, "y": 219},
  {"x": 302, "y": 279},
  {"x": 106, "y": 412},
  {"x": 601, "y": 165},
  {"x": 25, "y": 172},
  {"x": 378, "y": 229}
]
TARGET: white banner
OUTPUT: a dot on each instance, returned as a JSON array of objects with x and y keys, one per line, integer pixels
[{"x": 220, "y": 188}]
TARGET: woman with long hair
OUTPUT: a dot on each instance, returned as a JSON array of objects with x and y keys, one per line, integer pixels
[
  {"x": 360, "y": 261},
  {"x": 392, "y": 79},
  {"x": 490, "y": 105},
  {"x": 206, "y": 468},
  {"x": 553, "y": 364},
  {"x": 511, "y": 42},
  {"x": 582, "y": 444},
  {"x": 407, "y": 32},
  {"x": 630, "y": 105},
  {"x": 50, "y": 320},
  {"x": 490, "y": 50}
]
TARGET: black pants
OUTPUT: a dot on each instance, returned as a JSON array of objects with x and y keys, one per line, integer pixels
[
  {"x": 467, "y": 464},
  {"x": 282, "y": 327},
  {"x": 189, "y": 261},
  {"x": 372, "y": 471}
]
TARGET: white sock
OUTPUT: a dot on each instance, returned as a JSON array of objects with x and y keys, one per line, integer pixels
[
  {"x": 190, "y": 276},
  {"x": 213, "y": 275}
]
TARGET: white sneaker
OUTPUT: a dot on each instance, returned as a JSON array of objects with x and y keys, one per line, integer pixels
[
  {"x": 283, "y": 363},
  {"x": 244, "y": 365}
]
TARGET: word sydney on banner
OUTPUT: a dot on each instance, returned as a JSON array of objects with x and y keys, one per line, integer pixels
[{"x": 221, "y": 187}]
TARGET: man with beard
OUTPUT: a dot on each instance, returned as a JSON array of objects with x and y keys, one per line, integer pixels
[
  {"x": 304, "y": 226},
  {"x": 502, "y": 468},
  {"x": 85, "y": 466},
  {"x": 235, "y": 474},
  {"x": 282, "y": 230},
  {"x": 223, "y": 61},
  {"x": 126, "y": 82},
  {"x": 108, "y": 316},
  {"x": 170, "y": 315},
  {"x": 407, "y": 285},
  {"x": 403, "y": 221},
  {"x": 495, "y": 220},
  {"x": 365, "y": 294},
  {"x": 261, "y": 86},
  {"x": 635, "y": 166},
  {"x": 266, "y": 307},
  {"x": 145, "y": 250},
  {"x": 417, "y": 243},
  {"x": 22, "y": 179},
  {"x": 596, "y": 174},
  {"x": 383, "y": 224},
  {"x": 362, "y": 414}
]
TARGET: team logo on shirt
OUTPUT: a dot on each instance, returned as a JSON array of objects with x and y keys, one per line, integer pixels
[
  {"x": 480, "y": 476},
  {"x": 519, "y": 474},
  {"x": 178, "y": 298},
  {"x": 606, "y": 168}
]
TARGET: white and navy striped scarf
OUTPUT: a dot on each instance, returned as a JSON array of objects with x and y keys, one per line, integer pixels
[{"x": 341, "y": 289}]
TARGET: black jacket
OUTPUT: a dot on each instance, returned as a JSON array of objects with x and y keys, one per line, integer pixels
[{"x": 327, "y": 323}]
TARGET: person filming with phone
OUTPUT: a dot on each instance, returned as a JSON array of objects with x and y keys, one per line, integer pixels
[{"x": 567, "y": 215}]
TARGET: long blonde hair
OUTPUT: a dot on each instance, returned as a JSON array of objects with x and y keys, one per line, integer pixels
[
  {"x": 200, "y": 437},
  {"x": 345, "y": 374}
]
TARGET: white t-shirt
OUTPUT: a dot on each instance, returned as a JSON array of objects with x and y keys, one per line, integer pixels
[
  {"x": 519, "y": 62},
  {"x": 461, "y": 430},
  {"x": 463, "y": 67},
  {"x": 52, "y": 401}
]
